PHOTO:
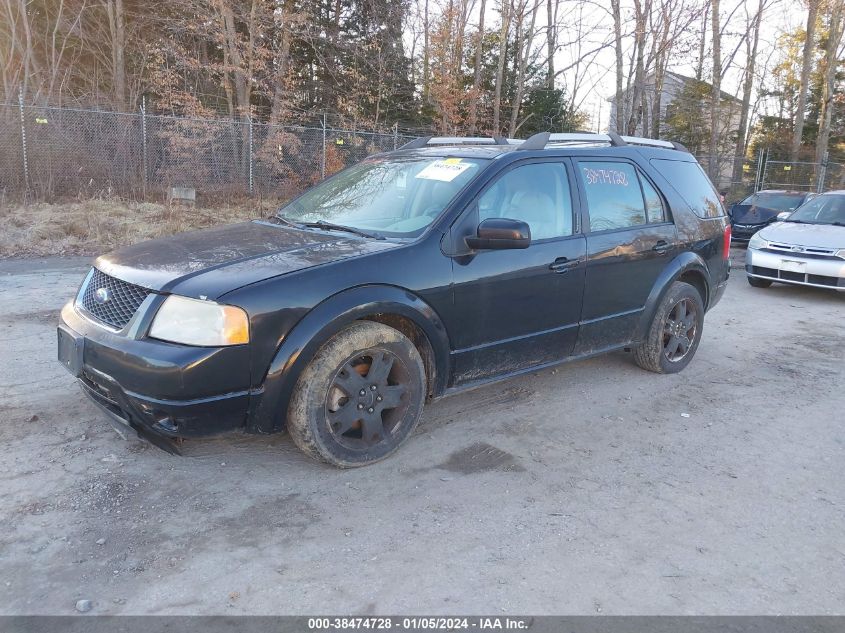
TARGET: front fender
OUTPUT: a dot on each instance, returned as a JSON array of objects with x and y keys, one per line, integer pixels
[
  {"x": 685, "y": 263},
  {"x": 324, "y": 321}
]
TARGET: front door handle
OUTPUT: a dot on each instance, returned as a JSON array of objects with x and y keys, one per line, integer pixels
[
  {"x": 563, "y": 264},
  {"x": 661, "y": 248}
]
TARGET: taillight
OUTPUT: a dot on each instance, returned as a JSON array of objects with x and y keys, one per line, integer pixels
[{"x": 726, "y": 246}]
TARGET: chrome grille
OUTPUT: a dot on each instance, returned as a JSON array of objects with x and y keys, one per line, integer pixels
[{"x": 122, "y": 299}]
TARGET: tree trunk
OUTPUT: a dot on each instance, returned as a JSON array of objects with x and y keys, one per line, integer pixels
[
  {"x": 551, "y": 41},
  {"x": 715, "y": 95},
  {"x": 426, "y": 55},
  {"x": 831, "y": 59},
  {"x": 117, "y": 31},
  {"x": 476, "y": 78},
  {"x": 699, "y": 69},
  {"x": 806, "y": 67},
  {"x": 617, "y": 35},
  {"x": 523, "y": 65},
  {"x": 747, "y": 86},
  {"x": 500, "y": 69}
]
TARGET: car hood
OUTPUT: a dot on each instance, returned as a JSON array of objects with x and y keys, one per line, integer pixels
[
  {"x": 793, "y": 233},
  {"x": 211, "y": 262},
  {"x": 752, "y": 214}
]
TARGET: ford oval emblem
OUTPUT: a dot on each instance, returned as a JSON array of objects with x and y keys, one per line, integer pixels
[{"x": 102, "y": 295}]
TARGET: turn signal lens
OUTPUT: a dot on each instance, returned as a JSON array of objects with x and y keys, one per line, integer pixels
[
  {"x": 726, "y": 247},
  {"x": 197, "y": 322}
]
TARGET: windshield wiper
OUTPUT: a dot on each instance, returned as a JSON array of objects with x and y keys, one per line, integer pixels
[
  {"x": 331, "y": 226},
  {"x": 283, "y": 220}
]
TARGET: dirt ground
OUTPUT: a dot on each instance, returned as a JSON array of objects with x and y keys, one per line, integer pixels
[{"x": 593, "y": 488}]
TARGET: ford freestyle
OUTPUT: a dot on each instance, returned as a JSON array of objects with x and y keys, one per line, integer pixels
[{"x": 414, "y": 274}]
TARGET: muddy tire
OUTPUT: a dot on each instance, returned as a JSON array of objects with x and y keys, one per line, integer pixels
[
  {"x": 359, "y": 398},
  {"x": 675, "y": 331},
  {"x": 758, "y": 283}
]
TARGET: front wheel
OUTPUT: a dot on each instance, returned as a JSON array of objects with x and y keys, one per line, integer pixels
[
  {"x": 675, "y": 331},
  {"x": 359, "y": 398}
]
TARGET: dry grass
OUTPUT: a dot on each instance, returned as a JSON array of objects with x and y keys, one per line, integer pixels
[{"x": 96, "y": 226}]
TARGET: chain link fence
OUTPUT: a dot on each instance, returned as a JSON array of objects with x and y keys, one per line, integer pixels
[
  {"x": 761, "y": 171},
  {"x": 49, "y": 153}
]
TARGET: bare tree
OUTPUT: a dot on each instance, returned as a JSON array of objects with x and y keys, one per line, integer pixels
[
  {"x": 833, "y": 54},
  {"x": 619, "y": 101},
  {"x": 806, "y": 67},
  {"x": 525, "y": 43},
  {"x": 716, "y": 92},
  {"x": 472, "y": 123},
  {"x": 504, "y": 30},
  {"x": 753, "y": 22}
]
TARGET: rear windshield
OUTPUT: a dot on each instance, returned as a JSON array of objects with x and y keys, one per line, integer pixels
[
  {"x": 690, "y": 181},
  {"x": 777, "y": 201}
]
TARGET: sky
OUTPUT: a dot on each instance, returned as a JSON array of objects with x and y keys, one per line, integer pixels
[
  {"x": 592, "y": 21},
  {"x": 784, "y": 15}
]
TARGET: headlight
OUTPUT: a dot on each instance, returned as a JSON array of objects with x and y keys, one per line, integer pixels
[
  {"x": 757, "y": 242},
  {"x": 196, "y": 322},
  {"x": 841, "y": 253}
]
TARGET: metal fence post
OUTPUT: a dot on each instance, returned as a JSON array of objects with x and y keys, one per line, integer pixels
[
  {"x": 144, "y": 145},
  {"x": 323, "y": 157},
  {"x": 250, "y": 156},
  {"x": 23, "y": 143}
]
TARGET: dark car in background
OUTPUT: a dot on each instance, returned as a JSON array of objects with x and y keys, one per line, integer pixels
[
  {"x": 414, "y": 274},
  {"x": 761, "y": 209}
]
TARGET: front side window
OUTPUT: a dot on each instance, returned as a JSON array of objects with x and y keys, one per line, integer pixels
[
  {"x": 614, "y": 197},
  {"x": 537, "y": 194},
  {"x": 386, "y": 196}
]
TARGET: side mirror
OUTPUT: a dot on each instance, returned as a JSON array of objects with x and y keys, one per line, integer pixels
[
  {"x": 783, "y": 215},
  {"x": 500, "y": 233}
]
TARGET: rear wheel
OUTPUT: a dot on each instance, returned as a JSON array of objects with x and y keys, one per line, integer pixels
[
  {"x": 675, "y": 331},
  {"x": 758, "y": 283},
  {"x": 359, "y": 398}
]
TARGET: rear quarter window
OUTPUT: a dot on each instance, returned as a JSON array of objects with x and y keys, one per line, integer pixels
[{"x": 693, "y": 185}]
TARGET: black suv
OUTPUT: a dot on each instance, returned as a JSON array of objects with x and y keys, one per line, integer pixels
[{"x": 414, "y": 274}]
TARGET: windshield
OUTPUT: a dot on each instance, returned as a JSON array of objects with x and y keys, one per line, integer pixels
[
  {"x": 825, "y": 209},
  {"x": 777, "y": 201},
  {"x": 385, "y": 196}
]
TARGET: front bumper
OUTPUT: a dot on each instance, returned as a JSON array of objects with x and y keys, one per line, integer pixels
[
  {"x": 742, "y": 233},
  {"x": 788, "y": 268},
  {"x": 163, "y": 391}
]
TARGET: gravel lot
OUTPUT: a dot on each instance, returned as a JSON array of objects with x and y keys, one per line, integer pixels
[{"x": 593, "y": 488}]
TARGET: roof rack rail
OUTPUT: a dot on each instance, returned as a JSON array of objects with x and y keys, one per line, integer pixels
[
  {"x": 543, "y": 139},
  {"x": 427, "y": 141}
]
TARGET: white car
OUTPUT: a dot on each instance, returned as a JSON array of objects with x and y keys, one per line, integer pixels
[{"x": 807, "y": 247}]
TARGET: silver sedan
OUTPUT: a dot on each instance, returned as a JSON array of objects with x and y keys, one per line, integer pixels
[{"x": 805, "y": 248}]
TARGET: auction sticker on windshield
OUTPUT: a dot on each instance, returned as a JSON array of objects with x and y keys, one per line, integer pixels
[{"x": 445, "y": 170}]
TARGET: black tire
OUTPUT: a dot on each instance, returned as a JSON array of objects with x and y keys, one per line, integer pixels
[
  {"x": 675, "y": 331},
  {"x": 758, "y": 283},
  {"x": 359, "y": 398}
]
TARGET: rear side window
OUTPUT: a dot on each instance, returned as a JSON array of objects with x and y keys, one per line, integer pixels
[
  {"x": 614, "y": 198},
  {"x": 690, "y": 181},
  {"x": 653, "y": 203}
]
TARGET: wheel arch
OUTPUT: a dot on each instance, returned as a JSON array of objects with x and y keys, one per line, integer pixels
[
  {"x": 390, "y": 305},
  {"x": 687, "y": 267}
]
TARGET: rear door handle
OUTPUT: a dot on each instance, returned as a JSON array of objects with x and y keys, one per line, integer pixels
[
  {"x": 563, "y": 264},
  {"x": 661, "y": 247}
]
